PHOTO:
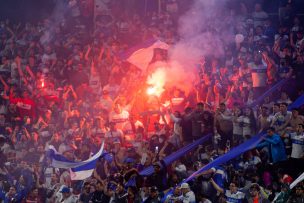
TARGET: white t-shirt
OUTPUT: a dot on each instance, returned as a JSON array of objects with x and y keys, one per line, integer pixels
[
  {"x": 246, "y": 126},
  {"x": 259, "y": 18},
  {"x": 189, "y": 197},
  {"x": 70, "y": 199},
  {"x": 48, "y": 174},
  {"x": 234, "y": 197},
  {"x": 279, "y": 119},
  {"x": 297, "y": 145},
  {"x": 237, "y": 129},
  {"x": 119, "y": 118}
]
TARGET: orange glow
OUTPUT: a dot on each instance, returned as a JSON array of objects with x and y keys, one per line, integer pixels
[
  {"x": 157, "y": 81},
  {"x": 151, "y": 91},
  {"x": 42, "y": 82}
]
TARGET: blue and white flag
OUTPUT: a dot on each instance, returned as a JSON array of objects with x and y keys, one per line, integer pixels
[
  {"x": 83, "y": 172},
  {"x": 59, "y": 161},
  {"x": 142, "y": 54}
]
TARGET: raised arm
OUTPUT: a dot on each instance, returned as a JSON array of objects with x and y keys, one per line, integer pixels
[
  {"x": 216, "y": 186},
  {"x": 101, "y": 53},
  {"x": 30, "y": 72},
  {"x": 6, "y": 87},
  {"x": 21, "y": 74},
  {"x": 86, "y": 56}
]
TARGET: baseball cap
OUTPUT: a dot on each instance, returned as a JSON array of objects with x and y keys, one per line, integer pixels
[{"x": 185, "y": 186}]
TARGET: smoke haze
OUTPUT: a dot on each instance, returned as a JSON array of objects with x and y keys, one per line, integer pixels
[{"x": 203, "y": 30}]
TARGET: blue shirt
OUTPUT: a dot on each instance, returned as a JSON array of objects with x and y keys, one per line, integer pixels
[{"x": 276, "y": 146}]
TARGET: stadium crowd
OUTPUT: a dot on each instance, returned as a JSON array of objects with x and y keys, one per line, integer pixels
[{"x": 64, "y": 85}]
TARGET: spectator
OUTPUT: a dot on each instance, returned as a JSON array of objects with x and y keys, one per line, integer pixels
[
  {"x": 196, "y": 117},
  {"x": 295, "y": 119},
  {"x": 12, "y": 195},
  {"x": 281, "y": 118},
  {"x": 154, "y": 196},
  {"x": 100, "y": 194},
  {"x": 86, "y": 195},
  {"x": 237, "y": 125},
  {"x": 176, "y": 196},
  {"x": 297, "y": 196},
  {"x": 67, "y": 196},
  {"x": 66, "y": 86},
  {"x": 259, "y": 16},
  {"x": 249, "y": 123},
  {"x": 158, "y": 178},
  {"x": 273, "y": 141},
  {"x": 232, "y": 195},
  {"x": 263, "y": 120},
  {"x": 255, "y": 194},
  {"x": 223, "y": 123},
  {"x": 188, "y": 194}
]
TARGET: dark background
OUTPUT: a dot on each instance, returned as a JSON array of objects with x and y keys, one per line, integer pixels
[
  {"x": 25, "y": 10},
  {"x": 35, "y": 10}
]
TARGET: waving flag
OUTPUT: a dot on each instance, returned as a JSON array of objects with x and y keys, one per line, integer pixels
[
  {"x": 84, "y": 171},
  {"x": 248, "y": 145},
  {"x": 142, "y": 54},
  {"x": 59, "y": 161}
]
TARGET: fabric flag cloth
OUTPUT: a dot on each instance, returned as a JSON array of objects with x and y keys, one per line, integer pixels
[
  {"x": 176, "y": 155},
  {"x": 142, "y": 54},
  {"x": 59, "y": 161},
  {"x": 298, "y": 180},
  {"x": 298, "y": 103},
  {"x": 250, "y": 144}
]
